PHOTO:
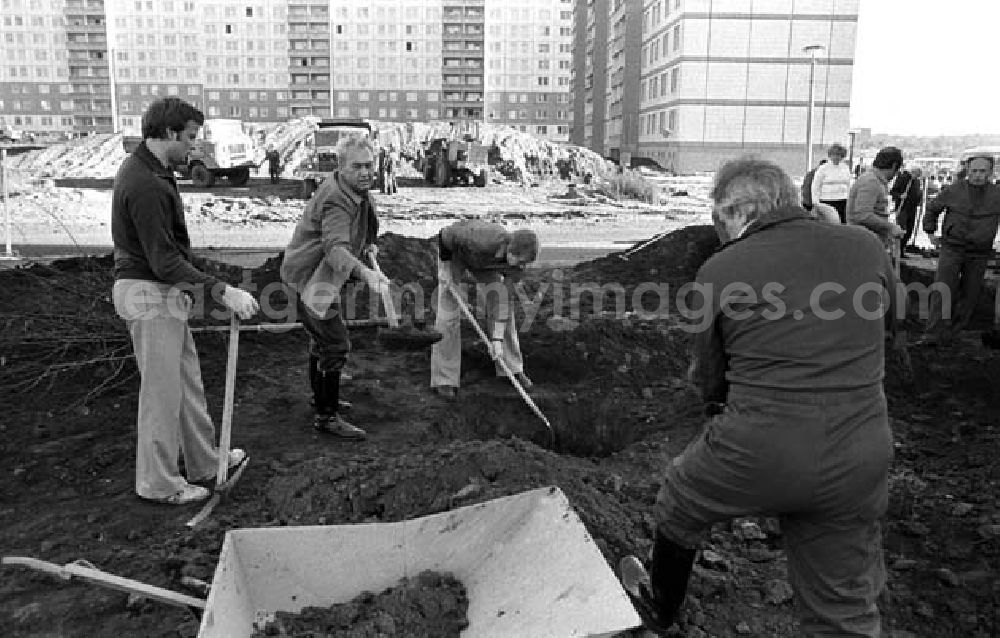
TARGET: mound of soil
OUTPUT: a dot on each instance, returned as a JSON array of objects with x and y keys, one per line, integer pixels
[{"x": 432, "y": 605}]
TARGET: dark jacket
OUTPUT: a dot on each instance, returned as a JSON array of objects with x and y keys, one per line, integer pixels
[
  {"x": 336, "y": 225},
  {"x": 776, "y": 337},
  {"x": 971, "y": 216},
  {"x": 807, "y": 186},
  {"x": 148, "y": 227},
  {"x": 900, "y": 186}
]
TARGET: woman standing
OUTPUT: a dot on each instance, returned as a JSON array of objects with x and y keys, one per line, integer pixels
[{"x": 832, "y": 181}]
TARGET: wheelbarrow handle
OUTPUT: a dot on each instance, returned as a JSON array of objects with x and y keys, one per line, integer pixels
[{"x": 91, "y": 574}]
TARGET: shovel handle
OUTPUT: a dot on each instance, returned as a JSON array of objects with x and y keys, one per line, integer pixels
[
  {"x": 503, "y": 364},
  {"x": 386, "y": 293},
  {"x": 225, "y": 434}
]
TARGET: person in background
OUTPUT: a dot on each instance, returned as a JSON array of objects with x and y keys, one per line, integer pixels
[
  {"x": 807, "y": 181},
  {"x": 909, "y": 201},
  {"x": 273, "y": 164},
  {"x": 971, "y": 210},
  {"x": 338, "y": 228},
  {"x": 798, "y": 423},
  {"x": 832, "y": 182},
  {"x": 153, "y": 292},
  {"x": 389, "y": 160},
  {"x": 868, "y": 200},
  {"x": 492, "y": 255}
]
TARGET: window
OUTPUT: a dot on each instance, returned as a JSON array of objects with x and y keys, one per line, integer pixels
[
  {"x": 674, "y": 79},
  {"x": 543, "y": 80},
  {"x": 249, "y": 12},
  {"x": 411, "y": 96},
  {"x": 542, "y": 130},
  {"x": 677, "y": 37}
]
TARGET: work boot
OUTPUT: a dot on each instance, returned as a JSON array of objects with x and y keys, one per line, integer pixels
[
  {"x": 236, "y": 457},
  {"x": 314, "y": 382},
  {"x": 335, "y": 425},
  {"x": 658, "y": 592}
]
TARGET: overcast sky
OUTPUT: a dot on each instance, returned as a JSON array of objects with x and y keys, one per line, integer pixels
[{"x": 927, "y": 67}]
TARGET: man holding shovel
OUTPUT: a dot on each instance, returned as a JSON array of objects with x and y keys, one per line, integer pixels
[
  {"x": 154, "y": 278},
  {"x": 338, "y": 227},
  {"x": 493, "y": 256}
]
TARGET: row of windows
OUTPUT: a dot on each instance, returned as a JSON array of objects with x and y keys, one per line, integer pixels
[
  {"x": 661, "y": 122},
  {"x": 657, "y": 85},
  {"x": 44, "y": 120},
  {"x": 660, "y": 46},
  {"x": 657, "y": 12}
]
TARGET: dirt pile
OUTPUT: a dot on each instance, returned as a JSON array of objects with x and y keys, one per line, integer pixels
[{"x": 431, "y": 605}]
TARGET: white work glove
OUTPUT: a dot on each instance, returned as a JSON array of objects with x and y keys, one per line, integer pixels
[
  {"x": 496, "y": 349},
  {"x": 240, "y": 302},
  {"x": 896, "y": 231},
  {"x": 374, "y": 280}
]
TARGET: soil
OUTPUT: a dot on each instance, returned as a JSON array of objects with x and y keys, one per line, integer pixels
[
  {"x": 613, "y": 387},
  {"x": 431, "y": 605}
]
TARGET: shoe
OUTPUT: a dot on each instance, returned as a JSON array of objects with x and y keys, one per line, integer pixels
[
  {"x": 188, "y": 494},
  {"x": 335, "y": 425},
  {"x": 523, "y": 380},
  {"x": 236, "y": 457},
  {"x": 447, "y": 391}
]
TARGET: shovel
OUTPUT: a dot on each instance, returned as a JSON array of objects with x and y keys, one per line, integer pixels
[
  {"x": 222, "y": 484},
  {"x": 397, "y": 336},
  {"x": 503, "y": 364}
]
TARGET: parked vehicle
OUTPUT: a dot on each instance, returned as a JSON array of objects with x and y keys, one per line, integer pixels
[
  {"x": 447, "y": 162},
  {"x": 222, "y": 149},
  {"x": 322, "y": 156}
]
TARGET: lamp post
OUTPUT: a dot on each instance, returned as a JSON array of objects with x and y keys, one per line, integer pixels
[{"x": 812, "y": 50}]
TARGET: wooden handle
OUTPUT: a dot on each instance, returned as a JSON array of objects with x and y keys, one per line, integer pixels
[{"x": 227, "y": 406}]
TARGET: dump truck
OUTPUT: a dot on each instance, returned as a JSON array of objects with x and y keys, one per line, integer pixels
[
  {"x": 321, "y": 143},
  {"x": 222, "y": 149},
  {"x": 448, "y": 161}
]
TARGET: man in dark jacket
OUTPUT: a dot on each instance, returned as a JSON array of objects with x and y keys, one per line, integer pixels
[
  {"x": 337, "y": 229},
  {"x": 908, "y": 202},
  {"x": 972, "y": 211},
  {"x": 155, "y": 282},
  {"x": 789, "y": 355}
]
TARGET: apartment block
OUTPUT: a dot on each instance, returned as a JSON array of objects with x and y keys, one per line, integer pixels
[
  {"x": 722, "y": 78},
  {"x": 621, "y": 120},
  {"x": 588, "y": 81}
]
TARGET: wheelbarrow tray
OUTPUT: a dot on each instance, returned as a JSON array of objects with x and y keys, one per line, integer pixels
[{"x": 529, "y": 566}]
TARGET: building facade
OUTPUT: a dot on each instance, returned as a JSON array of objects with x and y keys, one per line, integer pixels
[
  {"x": 722, "y": 78},
  {"x": 95, "y": 65},
  {"x": 589, "y": 79}
]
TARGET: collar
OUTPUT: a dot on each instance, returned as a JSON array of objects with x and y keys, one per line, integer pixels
[
  {"x": 143, "y": 154},
  {"x": 781, "y": 216},
  {"x": 353, "y": 195}
]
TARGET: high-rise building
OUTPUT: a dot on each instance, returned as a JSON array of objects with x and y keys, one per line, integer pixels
[
  {"x": 96, "y": 65},
  {"x": 721, "y": 78},
  {"x": 589, "y": 78},
  {"x": 621, "y": 120}
]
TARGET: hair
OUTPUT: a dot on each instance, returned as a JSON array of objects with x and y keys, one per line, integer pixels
[
  {"x": 888, "y": 157},
  {"x": 984, "y": 156},
  {"x": 169, "y": 113},
  {"x": 837, "y": 148},
  {"x": 916, "y": 171},
  {"x": 350, "y": 143},
  {"x": 524, "y": 243},
  {"x": 753, "y": 186}
]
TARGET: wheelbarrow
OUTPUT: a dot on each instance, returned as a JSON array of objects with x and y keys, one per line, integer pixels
[{"x": 529, "y": 566}]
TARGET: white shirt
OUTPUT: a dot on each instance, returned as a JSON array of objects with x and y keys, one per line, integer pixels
[{"x": 831, "y": 182}]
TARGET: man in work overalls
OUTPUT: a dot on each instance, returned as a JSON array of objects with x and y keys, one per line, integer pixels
[{"x": 789, "y": 359}]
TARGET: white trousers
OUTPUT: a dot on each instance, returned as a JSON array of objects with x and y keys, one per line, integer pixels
[
  {"x": 446, "y": 355},
  {"x": 173, "y": 415}
]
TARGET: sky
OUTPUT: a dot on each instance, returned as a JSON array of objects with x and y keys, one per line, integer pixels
[{"x": 927, "y": 67}]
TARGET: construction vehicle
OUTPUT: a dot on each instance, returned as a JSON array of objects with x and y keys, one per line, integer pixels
[
  {"x": 448, "y": 162},
  {"x": 322, "y": 156},
  {"x": 222, "y": 149}
]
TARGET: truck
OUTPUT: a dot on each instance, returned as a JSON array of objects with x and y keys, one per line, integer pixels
[
  {"x": 321, "y": 159},
  {"x": 446, "y": 161},
  {"x": 222, "y": 149}
]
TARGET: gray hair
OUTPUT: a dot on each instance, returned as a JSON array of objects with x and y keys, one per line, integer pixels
[
  {"x": 351, "y": 143},
  {"x": 754, "y": 187}
]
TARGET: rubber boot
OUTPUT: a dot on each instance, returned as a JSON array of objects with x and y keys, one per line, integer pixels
[
  {"x": 669, "y": 572},
  {"x": 314, "y": 376},
  {"x": 327, "y": 400}
]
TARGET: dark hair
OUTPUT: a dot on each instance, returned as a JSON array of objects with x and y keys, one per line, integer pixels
[
  {"x": 888, "y": 157},
  {"x": 838, "y": 148},
  {"x": 169, "y": 113}
]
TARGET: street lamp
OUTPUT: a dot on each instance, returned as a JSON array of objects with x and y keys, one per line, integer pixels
[{"x": 812, "y": 50}]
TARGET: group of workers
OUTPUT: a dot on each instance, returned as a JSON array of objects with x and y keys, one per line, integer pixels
[{"x": 797, "y": 422}]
